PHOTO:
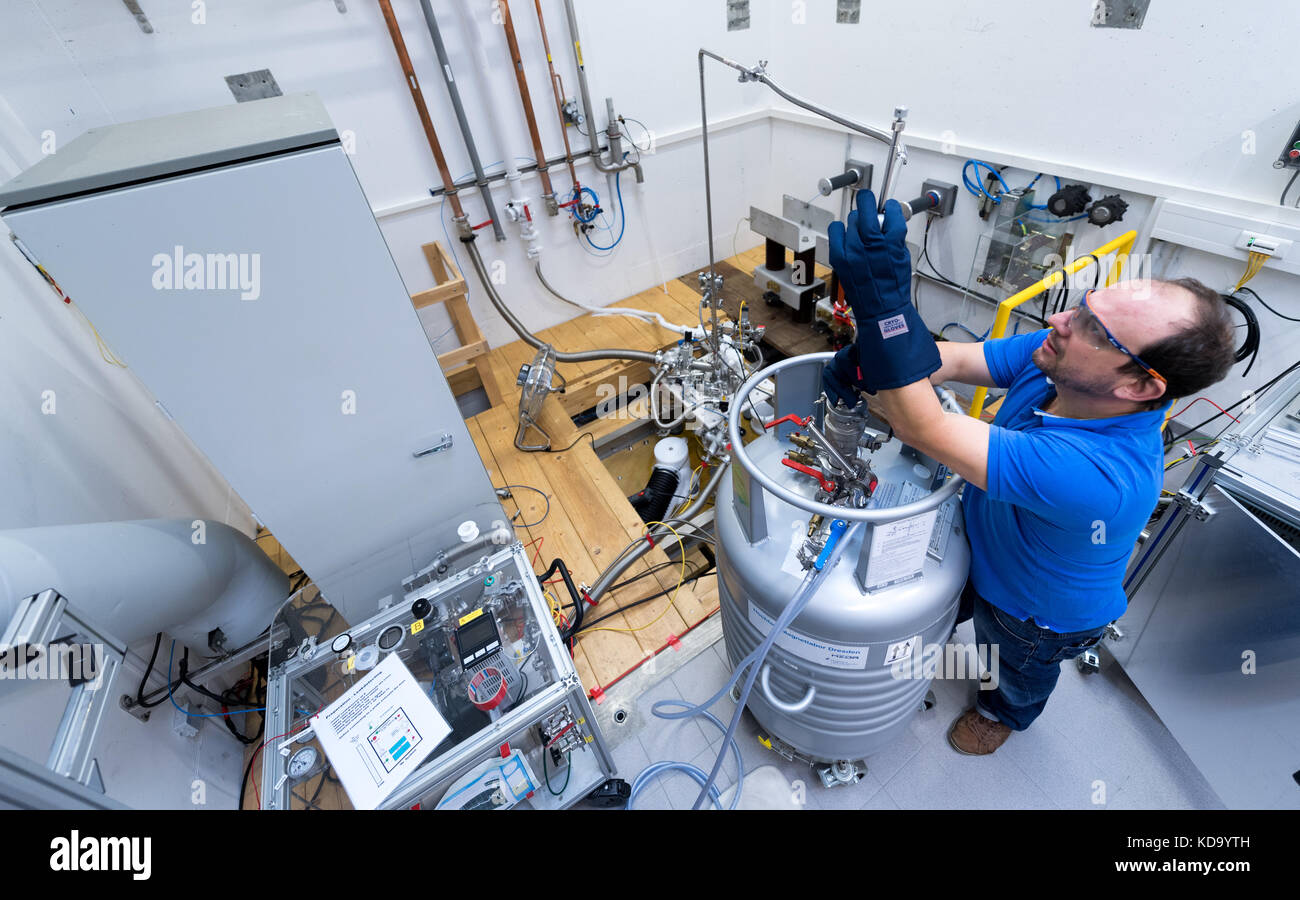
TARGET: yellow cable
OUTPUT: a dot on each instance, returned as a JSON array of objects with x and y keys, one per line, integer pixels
[
  {"x": 690, "y": 495},
  {"x": 671, "y": 600},
  {"x": 108, "y": 355},
  {"x": 1255, "y": 261}
]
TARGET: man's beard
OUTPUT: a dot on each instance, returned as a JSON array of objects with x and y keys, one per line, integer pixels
[{"x": 1053, "y": 366}]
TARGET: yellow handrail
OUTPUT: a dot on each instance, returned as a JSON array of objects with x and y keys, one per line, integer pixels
[{"x": 1120, "y": 246}]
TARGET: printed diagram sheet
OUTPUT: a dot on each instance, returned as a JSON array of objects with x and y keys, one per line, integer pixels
[{"x": 379, "y": 732}]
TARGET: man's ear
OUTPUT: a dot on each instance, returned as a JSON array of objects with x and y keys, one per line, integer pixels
[{"x": 1141, "y": 389}]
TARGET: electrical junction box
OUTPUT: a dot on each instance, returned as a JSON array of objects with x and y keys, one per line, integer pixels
[{"x": 1290, "y": 156}]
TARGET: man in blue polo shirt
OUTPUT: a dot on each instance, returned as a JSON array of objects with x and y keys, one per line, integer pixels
[{"x": 1064, "y": 479}]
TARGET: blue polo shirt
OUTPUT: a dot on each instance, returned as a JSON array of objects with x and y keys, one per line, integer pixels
[{"x": 1066, "y": 499}]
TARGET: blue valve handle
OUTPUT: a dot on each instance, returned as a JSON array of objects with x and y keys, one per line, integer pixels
[{"x": 837, "y": 531}]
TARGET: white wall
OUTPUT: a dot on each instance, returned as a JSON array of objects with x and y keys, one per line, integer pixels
[{"x": 1167, "y": 103}]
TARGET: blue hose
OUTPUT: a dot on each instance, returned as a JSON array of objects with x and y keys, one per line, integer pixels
[
  {"x": 974, "y": 186},
  {"x": 622, "y": 214},
  {"x": 595, "y": 203},
  {"x": 835, "y": 544}
]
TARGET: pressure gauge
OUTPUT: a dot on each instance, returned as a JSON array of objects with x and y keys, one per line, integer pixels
[
  {"x": 391, "y": 638},
  {"x": 341, "y": 643},
  {"x": 302, "y": 762}
]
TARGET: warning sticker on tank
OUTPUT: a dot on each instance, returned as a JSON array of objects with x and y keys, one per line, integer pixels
[
  {"x": 838, "y": 656},
  {"x": 901, "y": 650}
]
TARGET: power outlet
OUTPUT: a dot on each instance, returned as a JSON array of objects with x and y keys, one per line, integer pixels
[{"x": 1254, "y": 242}]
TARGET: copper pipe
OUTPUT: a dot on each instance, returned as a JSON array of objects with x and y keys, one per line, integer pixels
[
  {"x": 414, "y": 84},
  {"x": 557, "y": 87},
  {"x": 547, "y": 190}
]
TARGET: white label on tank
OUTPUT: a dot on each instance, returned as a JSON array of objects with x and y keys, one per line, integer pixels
[
  {"x": 837, "y": 656},
  {"x": 900, "y": 650}
]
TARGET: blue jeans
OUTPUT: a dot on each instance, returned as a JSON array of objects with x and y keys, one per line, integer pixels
[{"x": 1029, "y": 662}]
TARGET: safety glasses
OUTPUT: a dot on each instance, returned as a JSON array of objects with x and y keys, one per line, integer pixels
[{"x": 1089, "y": 327}]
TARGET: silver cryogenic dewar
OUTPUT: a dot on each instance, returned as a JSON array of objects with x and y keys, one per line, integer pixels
[{"x": 841, "y": 683}]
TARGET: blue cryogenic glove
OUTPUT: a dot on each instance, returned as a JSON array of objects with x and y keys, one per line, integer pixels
[
  {"x": 840, "y": 375},
  {"x": 894, "y": 347}
]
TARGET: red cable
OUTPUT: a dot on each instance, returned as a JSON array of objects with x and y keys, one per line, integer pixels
[
  {"x": 253, "y": 762},
  {"x": 1209, "y": 401}
]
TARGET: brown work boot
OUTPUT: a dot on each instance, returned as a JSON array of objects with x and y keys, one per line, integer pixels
[{"x": 975, "y": 735}]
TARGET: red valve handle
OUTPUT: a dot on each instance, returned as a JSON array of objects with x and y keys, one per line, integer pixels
[
  {"x": 790, "y": 418},
  {"x": 827, "y": 486}
]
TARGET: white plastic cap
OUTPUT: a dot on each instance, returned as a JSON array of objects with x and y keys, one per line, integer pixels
[
  {"x": 671, "y": 453},
  {"x": 468, "y": 530}
]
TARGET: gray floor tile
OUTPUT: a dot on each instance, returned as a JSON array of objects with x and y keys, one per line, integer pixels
[
  {"x": 924, "y": 783},
  {"x": 881, "y": 800},
  {"x": 630, "y": 758},
  {"x": 994, "y": 781},
  {"x": 1062, "y": 768},
  {"x": 700, "y": 679},
  {"x": 889, "y": 761}
]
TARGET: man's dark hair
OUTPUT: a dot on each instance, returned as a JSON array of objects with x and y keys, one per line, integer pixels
[{"x": 1196, "y": 357}]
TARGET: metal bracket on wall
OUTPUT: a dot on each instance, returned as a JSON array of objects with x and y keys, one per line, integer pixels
[
  {"x": 737, "y": 15},
  {"x": 253, "y": 85},
  {"x": 141, "y": 19},
  {"x": 1119, "y": 13},
  {"x": 848, "y": 12}
]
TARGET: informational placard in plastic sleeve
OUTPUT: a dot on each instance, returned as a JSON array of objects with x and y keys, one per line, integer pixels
[
  {"x": 379, "y": 732},
  {"x": 898, "y": 550}
]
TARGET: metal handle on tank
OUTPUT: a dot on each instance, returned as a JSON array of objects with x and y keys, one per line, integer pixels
[
  {"x": 791, "y": 708},
  {"x": 738, "y": 455}
]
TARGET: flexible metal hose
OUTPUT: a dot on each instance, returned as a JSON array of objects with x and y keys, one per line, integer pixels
[
  {"x": 641, "y": 314},
  {"x": 531, "y": 339}
]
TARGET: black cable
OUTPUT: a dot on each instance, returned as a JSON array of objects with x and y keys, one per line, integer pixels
[
  {"x": 506, "y": 488},
  {"x": 925, "y": 255},
  {"x": 139, "y": 693},
  {"x": 557, "y": 565},
  {"x": 585, "y": 434},
  {"x": 1250, "y": 346},
  {"x": 243, "y": 785},
  {"x": 1282, "y": 200},
  {"x": 1252, "y": 293},
  {"x": 671, "y": 564},
  {"x": 704, "y": 570}
]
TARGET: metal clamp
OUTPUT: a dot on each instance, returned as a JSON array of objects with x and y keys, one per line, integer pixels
[
  {"x": 791, "y": 708},
  {"x": 1193, "y": 507}
]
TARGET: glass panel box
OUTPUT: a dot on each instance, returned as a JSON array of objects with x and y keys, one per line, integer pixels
[{"x": 481, "y": 643}]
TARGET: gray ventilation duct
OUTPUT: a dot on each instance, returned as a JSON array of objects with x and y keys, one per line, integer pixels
[{"x": 136, "y": 578}]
